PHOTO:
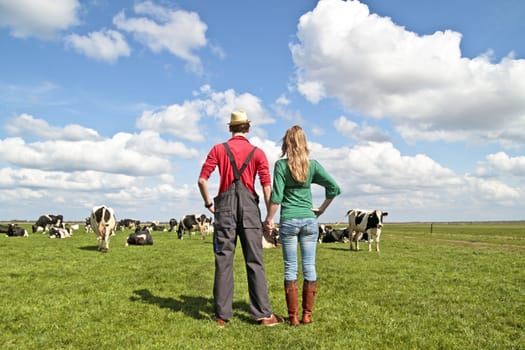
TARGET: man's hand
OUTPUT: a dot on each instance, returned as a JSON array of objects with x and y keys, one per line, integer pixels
[{"x": 268, "y": 225}]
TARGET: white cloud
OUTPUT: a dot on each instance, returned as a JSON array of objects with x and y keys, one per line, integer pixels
[
  {"x": 134, "y": 168},
  {"x": 179, "y": 32},
  {"x": 510, "y": 165},
  {"x": 380, "y": 69},
  {"x": 380, "y": 163},
  {"x": 111, "y": 155},
  {"x": 75, "y": 193},
  {"x": 493, "y": 190},
  {"x": 151, "y": 194},
  {"x": 179, "y": 120},
  {"x": 107, "y": 45},
  {"x": 282, "y": 101},
  {"x": 318, "y": 131},
  {"x": 27, "y": 125},
  {"x": 42, "y": 18},
  {"x": 185, "y": 120},
  {"x": 345, "y": 126},
  {"x": 364, "y": 132},
  {"x": 270, "y": 148},
  {"x": 150, "y": 142},
  {"x": 285, "y": 113},
  {"x": 376, "y": 175},
  {"x": 83, "y": 181},
  {"x": 500, "y": 165}
]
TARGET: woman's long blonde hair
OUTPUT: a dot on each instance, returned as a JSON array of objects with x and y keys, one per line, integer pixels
[{"x": 296, "y": 148}]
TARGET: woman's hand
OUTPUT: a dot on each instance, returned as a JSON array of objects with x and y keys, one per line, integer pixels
[{"x": 318, "y": 211}]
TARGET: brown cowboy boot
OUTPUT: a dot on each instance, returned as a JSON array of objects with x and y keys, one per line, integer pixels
[
  {"x": 309, "y": 292},
  {"x": 292, "y": 296}
]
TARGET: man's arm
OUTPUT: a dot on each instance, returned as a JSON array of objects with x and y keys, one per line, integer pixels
[
  {"x": 203, "y": 188},
  {"x": 271, "y": 208},
  {"x": 267, "y": 193}
]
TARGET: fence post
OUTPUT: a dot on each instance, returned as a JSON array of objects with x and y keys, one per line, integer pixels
[{"x": 431, "y": 228}]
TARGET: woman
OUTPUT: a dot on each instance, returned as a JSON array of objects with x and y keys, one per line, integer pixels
[{"x": 292, "y": 179}]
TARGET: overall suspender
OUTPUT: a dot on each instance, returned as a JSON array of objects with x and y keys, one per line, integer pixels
[{"x": 238, "y": 172}]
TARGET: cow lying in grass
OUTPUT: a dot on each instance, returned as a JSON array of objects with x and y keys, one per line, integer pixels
[
  {"x": 365, "y": 221},
  {"x": 271, "y": 239},
  {"x": 327, "y": 234},
  {"x": 60, "y": 231},
  {"x": 45, "y": 222},
  {"x": 13, "y": 231},
  {"x": 140, "y": 237}
]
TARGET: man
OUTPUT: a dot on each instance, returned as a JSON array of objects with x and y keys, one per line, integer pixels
[{"x": 236, "y": 214}]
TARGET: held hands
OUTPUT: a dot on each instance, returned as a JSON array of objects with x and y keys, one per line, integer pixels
[{"x": 268, "y": 225}]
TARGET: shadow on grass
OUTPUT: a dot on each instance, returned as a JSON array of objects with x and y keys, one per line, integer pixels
[
  {"x": 341, "y": 249},
  {"x": 89, "y": 247},
  {"x": 198, "y": 308}
]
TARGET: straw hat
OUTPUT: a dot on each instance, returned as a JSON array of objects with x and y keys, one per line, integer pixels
[{"x": 238, "y": 117}]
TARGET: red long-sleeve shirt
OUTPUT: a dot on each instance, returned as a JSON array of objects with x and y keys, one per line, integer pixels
[{"x": 240, "y": 147}]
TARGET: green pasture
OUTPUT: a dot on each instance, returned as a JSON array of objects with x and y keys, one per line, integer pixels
[{"x": 445, "y": 286}]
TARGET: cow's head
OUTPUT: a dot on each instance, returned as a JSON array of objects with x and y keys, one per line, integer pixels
[{"x": 375, "y": 219}]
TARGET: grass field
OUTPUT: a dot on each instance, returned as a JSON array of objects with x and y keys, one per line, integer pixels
[{"x": 460, "y": 287}]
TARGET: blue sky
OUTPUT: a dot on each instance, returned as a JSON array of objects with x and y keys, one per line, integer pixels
[{"x": 415, "y": 107}]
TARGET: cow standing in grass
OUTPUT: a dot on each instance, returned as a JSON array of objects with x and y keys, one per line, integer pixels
[
  {"x": 103, "y": 223},
  {"x": 192, "y": 223},
  {"x": 173, "y": 224},
  {"x": 365, "y": 221}
]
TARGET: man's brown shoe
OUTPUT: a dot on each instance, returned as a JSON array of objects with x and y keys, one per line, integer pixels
[
  {"x": 271, "y": 321},
  {"x": 220, "y": 322}
]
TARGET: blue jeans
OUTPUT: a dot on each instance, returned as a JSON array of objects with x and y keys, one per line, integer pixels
[{"x": 306, "y": 232}]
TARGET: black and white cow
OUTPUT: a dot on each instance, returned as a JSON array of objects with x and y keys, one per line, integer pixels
[
  {"x": 4, "y": 229},
  {"x": 173, "y": 224},
  {"x": 44, "y": 222},
  {"x": 206, "y": 226},
  {"x": 60, "y": 231},
  {"x": 103, "y": 222},
  {"x": 127, "y": 223},
  {"x": 331, "y": 235},
  {"x": 156, "y": 226},
  {"x": 13, "y": 231},
  {"x": 365, "y": 221},
  {"x": 192, "y": 223},
  {"x": 140, "y": 237},
  {"x": 87, "y": 225},
  {"x": 322, "y": 229}
]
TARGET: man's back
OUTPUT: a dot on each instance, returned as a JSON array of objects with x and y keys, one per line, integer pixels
[{"x": 240, "y": 148}]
